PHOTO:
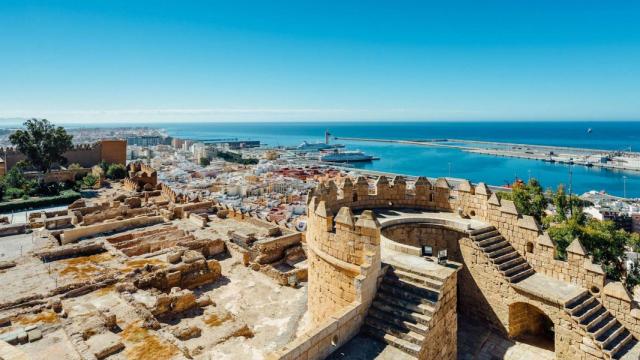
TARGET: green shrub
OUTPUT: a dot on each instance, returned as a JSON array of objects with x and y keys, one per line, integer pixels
[
  {"x": 116, "y": 171},
  {"x": 89, "y": 181},
  {"x": 14, "y": 193},
  {"x": 74, "y": 166},
  {"x": 15, "y": 178},
  {"x": 104, "y": 165},
  {"x": 65, "y": 197}
]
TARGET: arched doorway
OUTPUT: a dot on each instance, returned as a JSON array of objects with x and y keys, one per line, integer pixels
[{"x": 531, "y": 325}]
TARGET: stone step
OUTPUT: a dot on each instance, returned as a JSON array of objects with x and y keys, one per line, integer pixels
[
  {"x": 476, "y": 232},
  {"x": 611, "y": 335},
  {"x": 396, "y": 342},
  {"x": 403, "y": 313},
  {"x": 412, "y": 278},
  {"x": 388, "y": 328},
  {"x": 596, "y": 320},
  {"x": 424, "y": 307},
  {"x": 521, "y": 275},
  {"x": 497, "y": 246},
  {"x": 396, "y": 267},
  {"x": 490, "y": 241},
  {"x": 399, "y": 322},
  {"x": 591, "y": 310},
  {"x": 607, "y": 324},
  {"x": 618, "y": 342},
  {"x": 486, "y": 235},
  {"x": 629, "y": 351},
  {"x": 503, "y": 251},
  {"x": 506, "y": 257},
  {"x": 584, "y": 307},
  {"x": 571, "y": 304},
  {"x": 517, "y": 260},
  {"x": 408, "y": 293},
  {"x": 515, "y": 269}
]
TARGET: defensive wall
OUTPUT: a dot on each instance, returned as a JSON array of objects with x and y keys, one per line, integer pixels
[
  {"x": 344, "y": 254},
  {"x": 86, "y": 155}
]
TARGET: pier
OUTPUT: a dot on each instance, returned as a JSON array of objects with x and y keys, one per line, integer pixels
[{"x": 601, "y": 158}]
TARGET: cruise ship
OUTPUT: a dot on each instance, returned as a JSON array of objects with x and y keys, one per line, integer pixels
[
  {"x": 310, "y": 147},
  {"x": 346, "y": 157}
]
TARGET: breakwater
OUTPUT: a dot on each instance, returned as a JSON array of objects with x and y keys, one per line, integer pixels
[{"x": 607, "y": 159}]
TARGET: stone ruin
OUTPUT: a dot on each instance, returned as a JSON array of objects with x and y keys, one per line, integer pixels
[
  {"x": 140, "y": 177},
  {"x": 130, "y": 276}
]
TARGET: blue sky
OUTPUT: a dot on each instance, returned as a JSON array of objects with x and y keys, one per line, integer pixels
[{"x": 113, "y": 60}]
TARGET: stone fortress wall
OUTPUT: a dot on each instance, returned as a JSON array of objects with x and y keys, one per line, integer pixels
[
  {"x": 476, "y": 202},
  {"x": 87, "y": 155},
  {"x": 344, "y": 263}
]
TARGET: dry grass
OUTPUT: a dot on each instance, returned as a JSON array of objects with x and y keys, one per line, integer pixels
[
  {"x": 84, "y": 268},
  {"x": 45, "y": 317},
  {"x": 147, "y": 346},
  {"x": 215, "y": 320},
  {"x": 138, "y": 263}
]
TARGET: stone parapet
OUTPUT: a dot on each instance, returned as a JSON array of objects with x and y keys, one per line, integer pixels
[
  {"x": 344, "y": 259},
  {"x": 620, "y": 304},
  {"x": 319, "y": 342},
  {"x": 477, "y": 202}
]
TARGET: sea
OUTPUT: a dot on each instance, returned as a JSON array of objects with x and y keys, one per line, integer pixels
[{"x": 435, "y": 162}]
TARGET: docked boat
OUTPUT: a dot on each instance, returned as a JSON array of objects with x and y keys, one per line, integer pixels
[
  {"x": 346, "y": 157},
  {"x": 315, "y": 147}
]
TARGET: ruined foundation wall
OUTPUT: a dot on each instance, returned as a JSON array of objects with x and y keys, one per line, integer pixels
[{"x": 73, "y": 235}]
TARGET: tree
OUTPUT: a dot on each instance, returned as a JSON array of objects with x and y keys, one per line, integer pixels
[
  {"x": 633, "y": 276},
  {"x": 205, "y": 161},
  {"x": 561, "y": 203},
  {"x": 42, "y": 143},
  {"x": 116, "y": 171},
  {"x": 600, "y": 239},
  {"x": 528, "y": 198},
  {"x": 564, "y": 233},
  {"x": 607, "y": 245}
]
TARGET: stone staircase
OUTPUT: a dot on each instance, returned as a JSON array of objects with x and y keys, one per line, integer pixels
[
  {"x": 603, "y": 328},
  {"x": 402, "y": 309},
  {"x": 505, "y": 258}
]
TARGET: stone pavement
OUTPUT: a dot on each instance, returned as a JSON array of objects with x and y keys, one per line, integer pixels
[
  {"x": 362, "y": 347},
  {"x": 548, "y": 288},
  {"x": 476, "y": 342}
]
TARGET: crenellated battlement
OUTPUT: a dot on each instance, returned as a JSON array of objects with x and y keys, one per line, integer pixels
[
  {"x": 465, "y": 199},
  {"x": 10, "y": 150}
]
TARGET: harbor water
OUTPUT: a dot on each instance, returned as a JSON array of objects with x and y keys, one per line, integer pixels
[{"x": 419, "y": 160}]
